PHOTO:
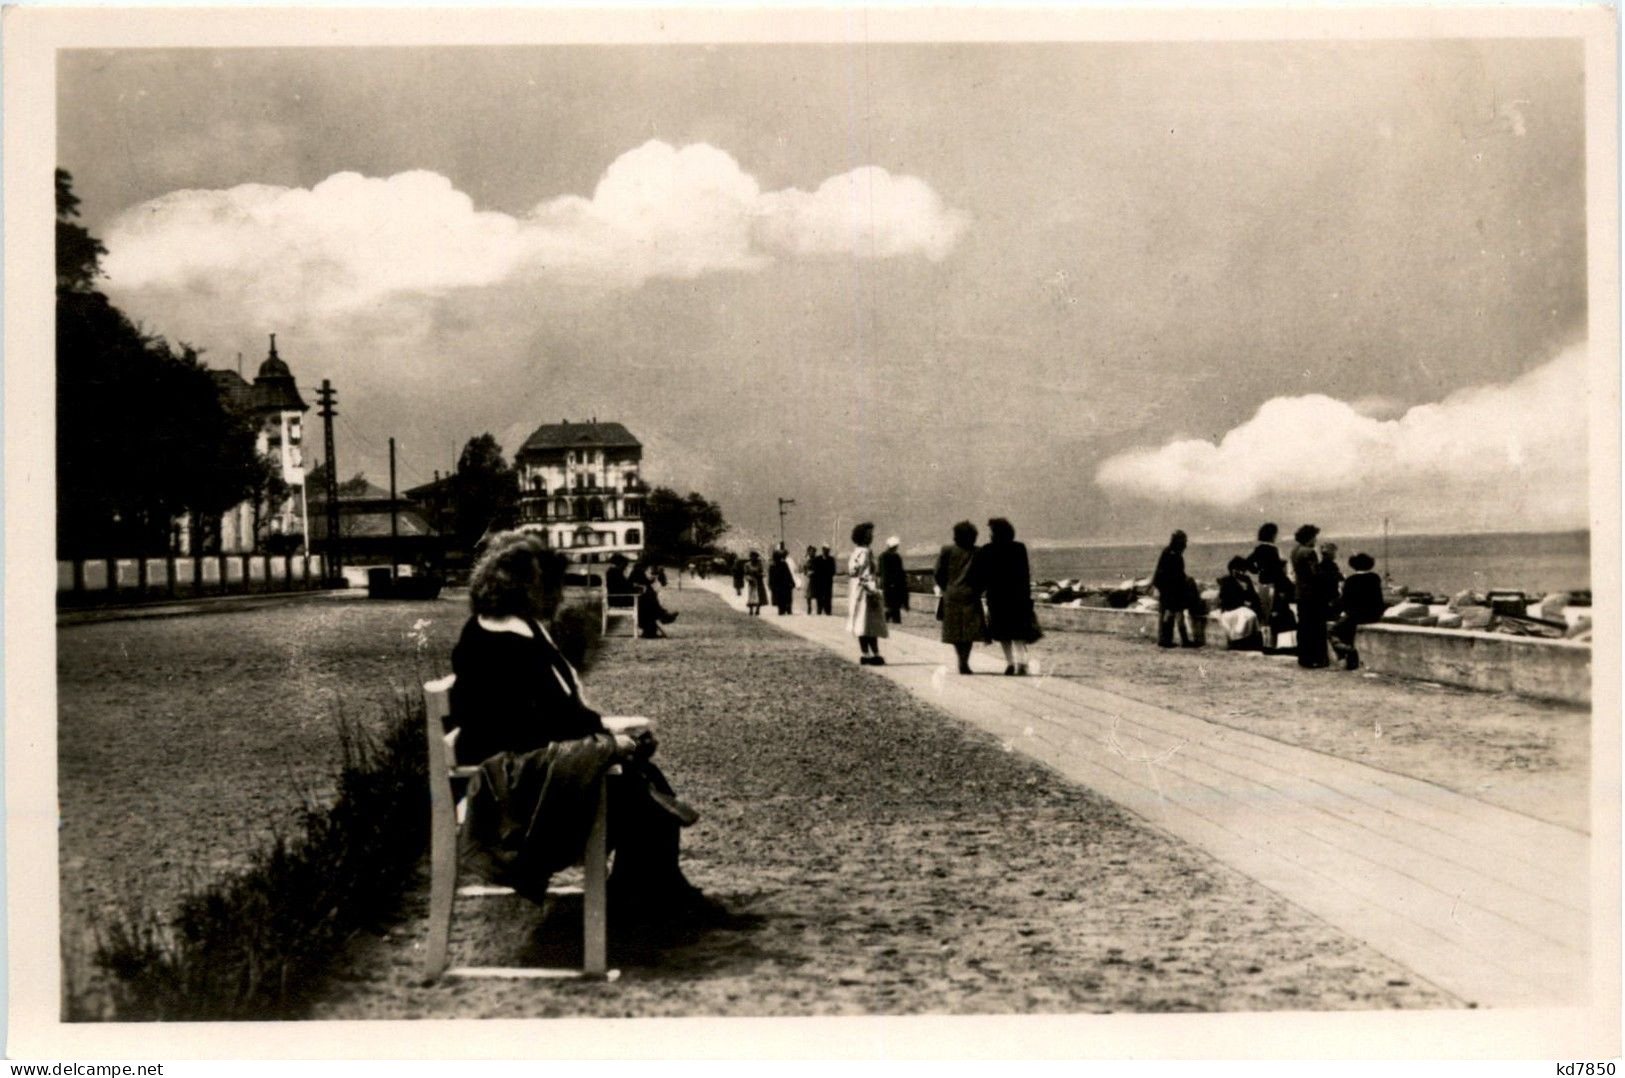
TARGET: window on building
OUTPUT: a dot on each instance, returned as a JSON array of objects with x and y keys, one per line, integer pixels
[
  {"x": 595, "y": 509},
  {"x": 581, "y": 509},
  {"x": 634, "y": 508},
  {"x": 536, "y": 482},
  {"x": 633, "y": 536},
  {"x": 561, "y": 509}
]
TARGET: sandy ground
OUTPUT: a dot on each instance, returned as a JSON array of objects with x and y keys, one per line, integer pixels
[
  {"x": 1525, "y": 755},
  {"x": 183, "y": 742},
  {"x": 884, "y": 859}
]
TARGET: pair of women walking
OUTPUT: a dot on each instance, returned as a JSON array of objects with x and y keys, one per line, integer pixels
[{"x": 999, "y": 573}]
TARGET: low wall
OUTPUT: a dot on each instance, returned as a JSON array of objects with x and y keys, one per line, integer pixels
[
  {"x": 118, "y": 581},
  {"x": 1557, "y": 670},
  {"x": 1495, "y": 662}
]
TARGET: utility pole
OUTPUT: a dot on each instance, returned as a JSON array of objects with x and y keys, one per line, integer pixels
[
  {"x": 394, "y": 524},
  {"x": 335, "y": 559},
  {"x": 783, "y": 502}
]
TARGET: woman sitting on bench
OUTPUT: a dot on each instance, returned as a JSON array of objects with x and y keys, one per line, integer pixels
[{"x": 541, "y": 750}]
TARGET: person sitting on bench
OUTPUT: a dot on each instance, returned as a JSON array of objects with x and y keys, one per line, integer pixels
[{"x": 517, "y": 702}]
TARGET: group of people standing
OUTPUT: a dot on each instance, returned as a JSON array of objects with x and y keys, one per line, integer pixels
[
  {"x": 965, "y": 576},
  {"x": 1329, "y": 607}
]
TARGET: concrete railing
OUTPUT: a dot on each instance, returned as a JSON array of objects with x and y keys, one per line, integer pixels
[
  {"x": 99, "y": 581},
  {"x": 1542, "y": 669}
]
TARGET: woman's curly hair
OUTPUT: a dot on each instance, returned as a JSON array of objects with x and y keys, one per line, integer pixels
[{"x": 501, "y": 583}]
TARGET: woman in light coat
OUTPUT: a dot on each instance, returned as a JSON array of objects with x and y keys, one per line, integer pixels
[{"x": 865, "y": 614}]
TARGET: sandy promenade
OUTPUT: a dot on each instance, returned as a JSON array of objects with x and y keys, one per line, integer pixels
[{"x": 1488, "y": 902}]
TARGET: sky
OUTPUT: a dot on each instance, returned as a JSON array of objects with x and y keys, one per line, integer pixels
[{"x": 1103, "y": 289}]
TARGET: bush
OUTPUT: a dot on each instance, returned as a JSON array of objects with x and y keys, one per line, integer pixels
[{"x": 256, "y": 944}]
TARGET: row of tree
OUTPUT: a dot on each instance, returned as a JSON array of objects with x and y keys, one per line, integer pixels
[{"x": 142, "y": 436}]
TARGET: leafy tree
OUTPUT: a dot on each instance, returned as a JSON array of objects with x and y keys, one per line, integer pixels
[
  {"x": 677, "y": 527},
  {"x": 485, "y": 491},
  {"x": 142, "y": 434}
]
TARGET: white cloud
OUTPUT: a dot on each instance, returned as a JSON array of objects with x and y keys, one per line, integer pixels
[
  {"x": 1486, "y": 445},
  {"x": 658, "y": 211}
]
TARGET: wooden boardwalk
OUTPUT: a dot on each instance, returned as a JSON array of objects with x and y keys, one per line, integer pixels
[{"x": 1486, "y": 903}]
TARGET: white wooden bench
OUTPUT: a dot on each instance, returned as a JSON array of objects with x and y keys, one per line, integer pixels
[
  {"x": 445, "y": 817},
  {"x": 622, "y": 606}
]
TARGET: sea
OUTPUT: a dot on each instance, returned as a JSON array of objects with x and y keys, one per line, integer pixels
[{"x": 1536, "y": 563}]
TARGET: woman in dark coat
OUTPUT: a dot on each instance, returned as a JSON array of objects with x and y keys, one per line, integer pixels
[
  {"x": 1273, "y": 586},
  {"x": 1311, "y": 600},
  {"x": 1363, "y": 604},
  {"x": 1005, "y": 578},
  {"x": 781, "y": 582},
  {"x": 522, "y": 719},
  {"x": 1173, "y": 592},
  {"x": 893, "y": 582},
  {"x": 962, "y": 623}
]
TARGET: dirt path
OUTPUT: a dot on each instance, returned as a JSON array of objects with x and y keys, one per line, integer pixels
[{"x": 894, "y": 861}]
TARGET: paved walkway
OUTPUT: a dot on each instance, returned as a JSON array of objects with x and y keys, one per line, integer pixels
[{"x": 1486, "y": 903}]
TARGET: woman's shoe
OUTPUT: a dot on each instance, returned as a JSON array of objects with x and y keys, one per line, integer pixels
[
  {"x": 879, "y": 660},
  {"x": 964, "y": 668},
  {"x": 1009, "y": 670},
  {"x": 1021, "y": 669},
  {"x": 866, "y": 660}
]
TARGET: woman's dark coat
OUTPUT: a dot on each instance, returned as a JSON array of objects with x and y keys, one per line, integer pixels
[
  {"x": 961, "y": 597},
  {"x": 1236, "y": 592},
  {"x": 780, "y": 582},
  {"x": 1312, "y": 606},
  {"x": 1005, "y": 577},
  {"x": 1173, "y": 593},
  {"x": 541, "y": 750},
  {"x": 893, "y": 580},
  {"x": 1266, "y": 564}
]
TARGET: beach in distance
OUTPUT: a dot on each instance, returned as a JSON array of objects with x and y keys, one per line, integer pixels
[{"x": 1533, "y": 562}]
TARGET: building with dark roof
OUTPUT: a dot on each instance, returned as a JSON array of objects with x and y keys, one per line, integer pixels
[
  {"x": 365, "y": 528},
  {"x": 272, "y": 402},
  {"x": 580, "y": 488}
]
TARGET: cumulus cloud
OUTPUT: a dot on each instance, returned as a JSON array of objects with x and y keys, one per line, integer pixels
[
  {"x": 658, "y": 211},
  {"x": 1486, "y": 442}
]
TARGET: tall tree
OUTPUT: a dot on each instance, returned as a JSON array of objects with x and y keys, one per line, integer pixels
[
  {"x": 677, "y": 527},
  {"x": 142, "y": 435},
  {"x": 485, "y": 491}
]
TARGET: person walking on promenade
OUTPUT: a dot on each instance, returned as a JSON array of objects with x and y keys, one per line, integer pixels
[
  {"x": 864, "y": 618},
  {"x": 809, "y": 567},
  {"x": 893, "y": 582},
  {"x": 822, "y": 581},
  {"x": 739, "y": 576},
  {"x": 1273, "y": 586},
  {"x": 755, "y": 584},
  {"x": 781, "y": 583},
  {"x": 1311, "y": 600},
  {"x": 1005, "y": 576},
  {"x": 1173, "y": 592},
  {"x": 1363, "y": 604},
  {"x": 962, "y": 622}
]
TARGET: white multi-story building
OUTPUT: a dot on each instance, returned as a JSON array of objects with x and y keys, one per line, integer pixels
[
  {"x": 580, "y": 489},
  {"x": 272, "y": 401}
]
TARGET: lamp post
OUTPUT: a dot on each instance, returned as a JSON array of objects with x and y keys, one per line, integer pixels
[{"x": 782, "y": 503}]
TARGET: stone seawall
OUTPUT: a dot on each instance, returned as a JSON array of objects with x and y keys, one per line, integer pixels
[{"x": 1557, "y": 670}]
